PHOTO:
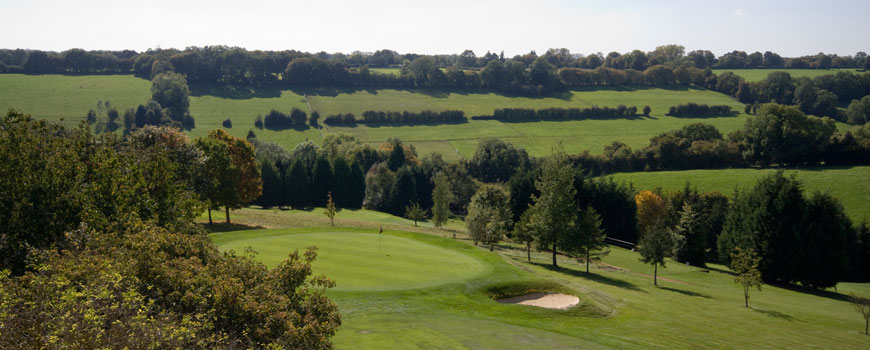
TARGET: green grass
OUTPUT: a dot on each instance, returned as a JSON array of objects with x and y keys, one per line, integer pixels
[
  {"x": 761, "y": 74},
  {"x": 362, "y": 259},
  {"x": 620, "y": 308},
  {"x": 390, "y": 71},
  {"x": 538, "y": 138},
  {"x": 69, "y": 97},
  {"x": 849, "y": 184}
]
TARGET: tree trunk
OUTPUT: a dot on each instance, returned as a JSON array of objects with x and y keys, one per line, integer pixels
[
  {"x": 866, "y": 326},
  {"x": 587, "y": 261},
  {"x": 491, "y": 246},
  {"x": 209, "y": 216},
  {"x": 554, "y": 254},
  {"x": 228, "y": 213},
  {"x": 746, "y": 296},
  {"x": 655, "y": 274},
  {"x": 529, "y": 250}
]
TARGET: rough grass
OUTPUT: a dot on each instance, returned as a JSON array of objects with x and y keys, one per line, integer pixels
[
  {"x": 849, "y": 184},
  {"x": 69, "y": 97},
  {"x": 760, "y": 74},
  {"x": 620, "y": 308}
]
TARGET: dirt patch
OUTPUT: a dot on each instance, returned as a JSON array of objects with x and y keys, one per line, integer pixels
[{"x": 545, "y": 300}]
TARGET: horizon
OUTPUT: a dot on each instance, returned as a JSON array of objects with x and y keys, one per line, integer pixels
[{"x": 495, "y": 26}]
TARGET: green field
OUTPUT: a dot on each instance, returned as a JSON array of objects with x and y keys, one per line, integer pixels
[
  {"x": 69, "y": 97},
  {"x": 850, "y": 184},
  {"x": 445, "y": 304},
  {"x": 760, "y": 74}
]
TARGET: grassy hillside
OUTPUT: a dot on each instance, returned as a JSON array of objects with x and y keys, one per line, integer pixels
[
  {"x": 849, "y": 184},
  {"x": 620, "y": 307},
  {"x": 760, "y": 74},
  {"x": 69, "y": 97}
]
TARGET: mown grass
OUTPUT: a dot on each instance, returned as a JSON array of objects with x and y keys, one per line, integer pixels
[
  {"x": 620, "y": 308},
  {"x": 761, "y": 74},
  {"x": 849, "y": 184}
]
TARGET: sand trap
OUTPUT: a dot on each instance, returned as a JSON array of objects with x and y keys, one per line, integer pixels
[{"x": 545, "y": 300}]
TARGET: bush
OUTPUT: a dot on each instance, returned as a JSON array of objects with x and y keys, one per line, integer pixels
[
  {"x": 338, "y": 119},
  {"x": 277, "y": 120},
  {"x": 696, "y": 110},
  {"x": 526, "y": 115},
  {"x": 228, "y": 123},
  {"x": 427, "y": 116}
]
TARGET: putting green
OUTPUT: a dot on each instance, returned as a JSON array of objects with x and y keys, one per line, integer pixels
[{"x": 359, "y": 261}]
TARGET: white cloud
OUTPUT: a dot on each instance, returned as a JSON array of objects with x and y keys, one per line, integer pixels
[{"x": 739, "y": 12}]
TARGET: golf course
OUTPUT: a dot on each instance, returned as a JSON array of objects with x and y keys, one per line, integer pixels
[{"x": 417, "y": 287}]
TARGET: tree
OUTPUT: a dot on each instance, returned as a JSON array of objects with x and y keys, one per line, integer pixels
[
  {"x": 858, "y": 111},
  {"x": 555, "y": 209},
  {"x": 241, "y": 182},
  {"x": 415, "y": 213},
  {"x": 330, "y": 209},
  {"x": 322, "y": 180},
  {"x": 524, "y": 231},
  {"x": 688, "y": 237},
  {"x": 379, "y": 180},
  {"x": 862, "y": 304},
  {"x": 297, "y": 185},
  {"x": 441, "y": 197},
  {"x": 783, "y": 135},
  {"x": 646, "y": 111},
  {"x": 655, "y": 244},
  {"x": 488, "y": 217},
  {"x": 590, "y": 235},
  {"x": 650, "y": 209},
  {"x": 170, "y": 91},
  {"x": 496, "y": 161},
  {"x": 744, "y": 264}
]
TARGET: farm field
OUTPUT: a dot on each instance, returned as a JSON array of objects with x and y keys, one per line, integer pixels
[
  {"x": 448, "y": 304},
  {"x": 54, "y": 97},
  {"x": 760, "y": 74},
  {"x": 849, "y": 184}
]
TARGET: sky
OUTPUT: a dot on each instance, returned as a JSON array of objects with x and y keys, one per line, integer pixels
[{"x": 790, "y": 28}]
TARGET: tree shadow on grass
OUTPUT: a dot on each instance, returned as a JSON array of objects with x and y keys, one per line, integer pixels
[
  {"x": 235, "y": 92},
  {"x": 687, "y": 292},
  {"x": 591, "y": 276},
  {"x": 225, "y": 227},
  {"x": 775, "y": 314},
  {"x": 817, "y": 292}
]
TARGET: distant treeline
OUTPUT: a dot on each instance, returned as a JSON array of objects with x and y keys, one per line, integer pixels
[
  {"x": 527, "y": 114},
  {"x": 696, "y": 110},
  {"x": 778, "y": 135},
  {"x": 406, "y": 117},
  {"x": 234, "y": 65},
  {"x": 528, "y": 74}
]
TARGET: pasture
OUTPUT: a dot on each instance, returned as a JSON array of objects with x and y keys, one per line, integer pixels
[
  {"x": 70, "y": 97},
  {"x": 761, "y": 74},
  {"x": 421, "y": 290},
  {"x": 848, "y": 184}
]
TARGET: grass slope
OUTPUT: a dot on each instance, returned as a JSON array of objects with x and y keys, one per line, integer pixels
[
  {"x": 620, "y": 308},
  {"x": 761, "y": 74},
  {"x": 849, "y": 184},
  {"x": 56, "y": 96}
]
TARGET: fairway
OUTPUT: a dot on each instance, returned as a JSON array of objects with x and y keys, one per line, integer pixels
[
  {"x": 436, "y": 298},
  {"x": 362, "y": 260},
  {"x": 851, "y": 185}
]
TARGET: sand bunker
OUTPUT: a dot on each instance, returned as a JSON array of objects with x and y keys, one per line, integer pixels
[{"x": 545, "y": 300}]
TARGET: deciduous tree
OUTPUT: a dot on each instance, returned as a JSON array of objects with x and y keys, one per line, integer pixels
[{"x": 744, "y": 264}]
